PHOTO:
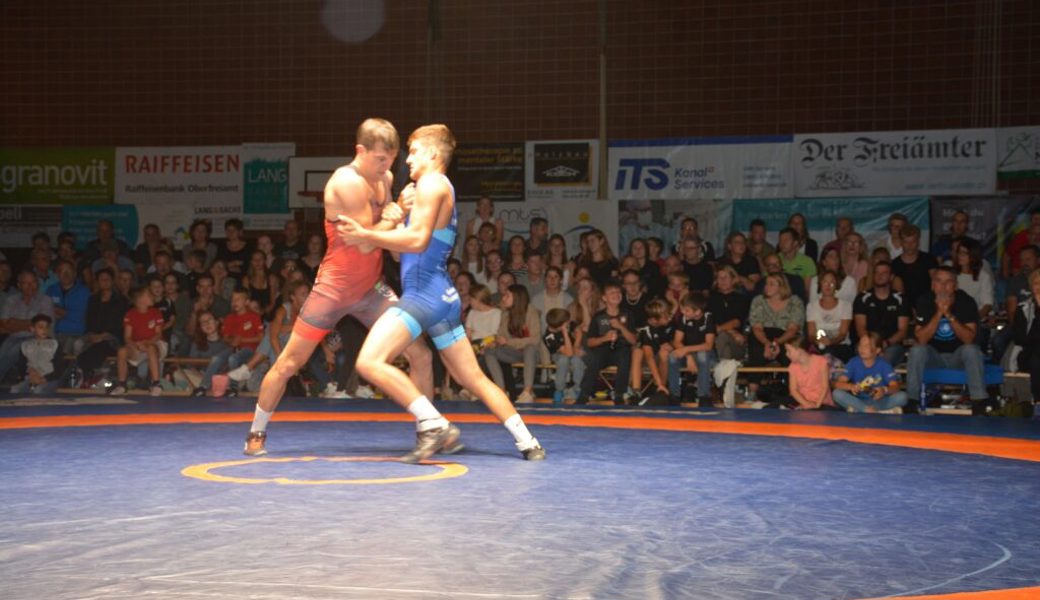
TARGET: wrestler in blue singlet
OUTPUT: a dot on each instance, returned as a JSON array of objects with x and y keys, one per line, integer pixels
[{"x": 429, "y": 302}]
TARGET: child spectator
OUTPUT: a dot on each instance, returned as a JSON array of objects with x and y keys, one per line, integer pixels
[
  {"x": 869, "y": 383},
  {"x": 678, "y": 290},
  {"x": 142, "y": 331},
  {"x": 559, "y": 339},
  {"x": 809, "y": 378},
  {"x": 693, "y": 344},
  {"x": 44, "y": 360},
  {"x": 208, "y": 344},
  {"x": 16, "y": 318},
  {"x": 519, "y": 333},
  {"x": 653, "y": 344},
  {"x": 609, "y": 342},
  {"x": 483, "y": 319},
  {"x": 242, "y": 330},
  {"x": 275, "y": 338}
]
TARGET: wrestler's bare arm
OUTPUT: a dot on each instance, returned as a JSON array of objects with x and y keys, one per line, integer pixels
[{"x": 430, "y": 194}]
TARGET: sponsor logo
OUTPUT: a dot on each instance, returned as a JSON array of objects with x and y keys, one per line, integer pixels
[
  {"x": 560, "y": 172},
  {"x": 836, "y": 179},
  {"x": 657, "y": 174}
]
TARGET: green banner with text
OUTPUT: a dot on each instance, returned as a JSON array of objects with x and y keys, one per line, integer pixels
[{"x": 56, "y": 175}]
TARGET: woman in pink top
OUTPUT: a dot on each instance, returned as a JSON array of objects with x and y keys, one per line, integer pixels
[{"x": 809, "y": 378}]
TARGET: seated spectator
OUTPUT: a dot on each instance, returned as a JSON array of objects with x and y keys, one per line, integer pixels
[
  {"x": 162, "y": 304},
  {"x": 776, "y": 317},
  {"x": 693, "y": 345},
  {"x": 242, "y": 330},
  {"x": 44, "y": 359},
  {"x": 634, "y": 298},
  {"x": 697, "y": 268},
  {"x": 16, "y": 319},
  {"x": 746, "y": 266},
  {"x": 7, "y": 286},
  {"x": 649, "y": 272},
  {"x": 538, "y": 236},
  {"x": 870, "y": 383},
  {"x": 163, "y": 264},
  {"x": 112, "y": 259},
  {"x": 758, "y": 247},
  {"x": 486, "y": 216},
  {"x": 265, "y": 245},
  {"x": 252, "y": 371},
  {"x": 464, "y": 283},
  {"x": 104, "y": 325},
  {"x": 599, "y": 259},
  {"x": 653, "y": 347},
  {"x": 42, "y": 241},
  {"x": 106, "y": 238},
  {"x": 884, "y": 311},
  {"x": 942, "y": 248},
  {"x": 557, "y": 257},
  {"x": 553, "y": 296},
  {"x": 518, "y": 338},
  {"x": 207, "y": 343},
  {"x": 947, "y": 323},
  {"x": 176, "y": 307},
  {"x": 914, "y": 267},
  {"x": 505, "y": 281},
  {"x": 206, "y": 299},
  {"x": 235, "y": 250},
  {"x": 842, "y": 227},
  {"x": 1027, "y": 336},
  {"x": 829, "y": 320},
  {"x": 516, "y": 260},
  {"x": 894, "y": 237},
  {"x": 142, "y": 332},
  {"x": 570, "y": 366},
  {"x": 310, "y": 260},
  {"x": 533, "y": 277},
  {"x": 689, "y": 229},
  {"x": 195, "y": 262},
  {"x": 472, "y": 260},
  {"x": 40, "y": 265},
  {"x": 489, "y": 239},
  {"x": 773, "y": 266},
  {"x": 977, "y": 283},
  {"x": 609, "y": 342},
  {"x": 492, "y": 270},
  {"x": 70, "y": 299},
  {"x": 831, "y": 261},
  {"x": 291, "y": 246},
  {"x": 1030, "y": 235},
  {"x": 1017, "y": 292},
  {"x": 483, "y": 319},
  {"x": 587, "y": 302},
  {"x": 655, "y": 250},
  {"x": 198, "y": 239},
  {"x": 144, "y": 254},
  {"x": 729, "y": 306},
  {"x": 809, "y": 378},
  {"x": 678, "y": 290},
  {"x": 264, "y": 287},
  {"x": 223, "y": 283},
  {"x": 879, "y": 255},
  {"x": 854, "y": 258},
  {"x": 807, "y": 245}
]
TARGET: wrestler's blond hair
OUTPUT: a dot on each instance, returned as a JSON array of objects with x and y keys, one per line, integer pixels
[
  {"x": 373, "y": 131},
  {"x": 439, "y": 137}
]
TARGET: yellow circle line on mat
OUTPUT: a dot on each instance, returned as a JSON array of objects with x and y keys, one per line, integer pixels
[{"x": 447, "y": 470}]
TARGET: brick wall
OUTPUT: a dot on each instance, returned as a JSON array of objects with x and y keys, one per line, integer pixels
[{"x": 168, "y": 72}]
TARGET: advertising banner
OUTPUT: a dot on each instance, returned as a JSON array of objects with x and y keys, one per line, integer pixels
[
  {"x": 265, "y": 177},
  {"x": 56, "y": 175},
  {"x": 179, "y": 174},
  {"x": 561, "y": 170},
  {"x": 993, "y": 220},
  {"x": 869, "y": 216},
  {"x": 895, "y": 163},
  {"x": 492, "y": 170},
  {"x": 18, "y": 223},
  {"x": 700, "y": 168},
  {"x": 1018, "y": 153},
  {"x": 663, "y": 219},
  {"x": 308, "y": 176},
  {"x": 569, "y": 219},
  {"x": 82, "y": 221}
]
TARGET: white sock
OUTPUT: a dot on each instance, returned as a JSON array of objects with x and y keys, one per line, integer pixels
[
  {"x": 524, "y": 440},
  {"x": 426, "y": 415},
  {"x": 260, "y": 419}
]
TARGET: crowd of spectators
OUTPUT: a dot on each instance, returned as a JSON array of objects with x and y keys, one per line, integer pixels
[{"x": 805, "y": 304}]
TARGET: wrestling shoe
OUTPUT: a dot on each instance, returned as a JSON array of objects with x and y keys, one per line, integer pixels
[
  {"x": 432, "y": 441},
  {"x": 535, "y": 452},
  {"x": 255, "y": 443}
]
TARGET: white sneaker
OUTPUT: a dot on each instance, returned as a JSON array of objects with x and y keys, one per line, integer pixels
[
  {"x": 155, "y": 390},
  {"x": 117, "y": 390},
  {"x": 898, "y": 410},
  {"x": 363, "y": 391},
  {"x": 239, "y": 373},
  {"x": 333, "y": 391},
  {"x": 525, "y": 398}
]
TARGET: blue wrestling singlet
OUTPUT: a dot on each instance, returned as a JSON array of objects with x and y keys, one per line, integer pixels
[{"x": 429, "y": 302}]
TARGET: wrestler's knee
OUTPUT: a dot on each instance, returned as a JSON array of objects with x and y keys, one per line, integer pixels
[{"x": 287, "y": 364}]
